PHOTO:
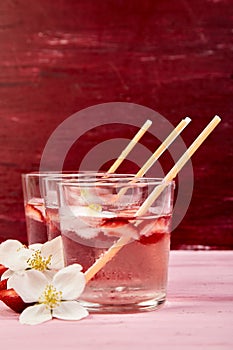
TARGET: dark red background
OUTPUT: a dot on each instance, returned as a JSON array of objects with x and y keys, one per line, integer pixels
[{"x": 57, "y": 57}]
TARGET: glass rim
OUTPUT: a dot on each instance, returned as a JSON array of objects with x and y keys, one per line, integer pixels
[
  {"x": 139, "y": 181},
  {"x": 55, "y": 172},
  {"x": 52, "y": 174}
]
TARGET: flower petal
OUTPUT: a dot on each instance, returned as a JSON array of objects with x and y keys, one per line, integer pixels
[
  {"x": 14, "y": 255},
  {"x": 35, "y": 246},
  {"x": 54, "y": 248},
  {"x": 28, "y": 284},
  {"x": 35, "y": 314},
  {"x": 7, "y": 274},
  {"x": 70, "y": 281},
  {"x": 49, "y": 275},
  {"x": 10, "y": 245},
  {"x": 70, "y": 310}
]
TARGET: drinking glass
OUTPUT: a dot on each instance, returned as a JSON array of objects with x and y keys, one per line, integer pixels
[{"x": 94, "y": 216}]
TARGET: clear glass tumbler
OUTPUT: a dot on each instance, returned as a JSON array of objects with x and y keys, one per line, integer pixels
[{"x": 94, "y": 216}]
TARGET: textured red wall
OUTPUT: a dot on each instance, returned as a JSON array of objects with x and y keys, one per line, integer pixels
[{"x": 57, "y": 57}]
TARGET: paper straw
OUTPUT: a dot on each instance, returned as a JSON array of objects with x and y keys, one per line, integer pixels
[
  {"x": 162, "y": 148},
  {"x": 179, "y": 165},
  {"x": 106, "y": 257},
  {"x": 130, "y": 146},
  {"x": 159, "y": 151},
  {"x": 115, "y": 248}
]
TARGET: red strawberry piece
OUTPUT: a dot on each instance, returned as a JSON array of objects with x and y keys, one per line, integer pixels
[
  {"x": 114, "y": 223},
  {"x": 152, "y": 239},
  {"x": 13, "y": 300},
  {"x": 3, "y": 284},
  {"x": 153, "y": 232},
  {"x": 119, "y": 227},
  {"x": 35, "y": 213},
  {"x": 2, "y": 269}
]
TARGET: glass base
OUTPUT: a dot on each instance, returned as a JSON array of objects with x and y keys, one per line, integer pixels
[{"x": 148, "y": 305}]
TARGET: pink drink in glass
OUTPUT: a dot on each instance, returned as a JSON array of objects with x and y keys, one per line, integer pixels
[
  {"x": 135, "y": 279},
  {"x": 36, "y": 221}
]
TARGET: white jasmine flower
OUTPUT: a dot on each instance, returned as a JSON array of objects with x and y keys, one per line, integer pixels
[
  {"x": 54, "y": 297},
  {"x": 19, "y": 259}
]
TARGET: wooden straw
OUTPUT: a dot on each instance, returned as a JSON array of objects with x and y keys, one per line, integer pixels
[
  {"x": 155, "y": 156},
  {"x": 179, "y": 165},
  {"x": 130, "y": 146},
  {"x": 162, "y": 148},
  {"x": 106, "y": 257},
  {"x": 114, "y": 249}
]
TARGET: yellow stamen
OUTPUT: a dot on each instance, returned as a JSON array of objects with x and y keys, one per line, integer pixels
[
  {"x": 38, "y": 262},
  {"x": 50, "y": 297}
]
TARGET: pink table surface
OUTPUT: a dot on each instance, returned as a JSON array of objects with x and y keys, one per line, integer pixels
[{"x": 198, "y": 314}]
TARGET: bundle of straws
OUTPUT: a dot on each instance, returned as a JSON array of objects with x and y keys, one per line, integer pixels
[{"x": 115, "y": 248}]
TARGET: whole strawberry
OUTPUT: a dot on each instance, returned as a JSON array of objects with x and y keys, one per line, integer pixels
[
  {"x": 2, "y": 269},
  {"x": 12, "y": 300},
  {"x": 3, "y": 284}
]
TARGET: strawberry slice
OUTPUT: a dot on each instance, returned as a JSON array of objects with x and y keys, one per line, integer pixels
[
  {"x": 154, "y": 231},
  {"x": 119, "y": 227},
  {"x": 13, "y": 300},
  {"x": 2, "y": 269},
  {"x": 113, "y": 223},
  {"x": 152, "y": 239},
  {"x": 3, "y": 284},
  {"x": 35, "y": 212},
  {"x": 92, "y": 215}
]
